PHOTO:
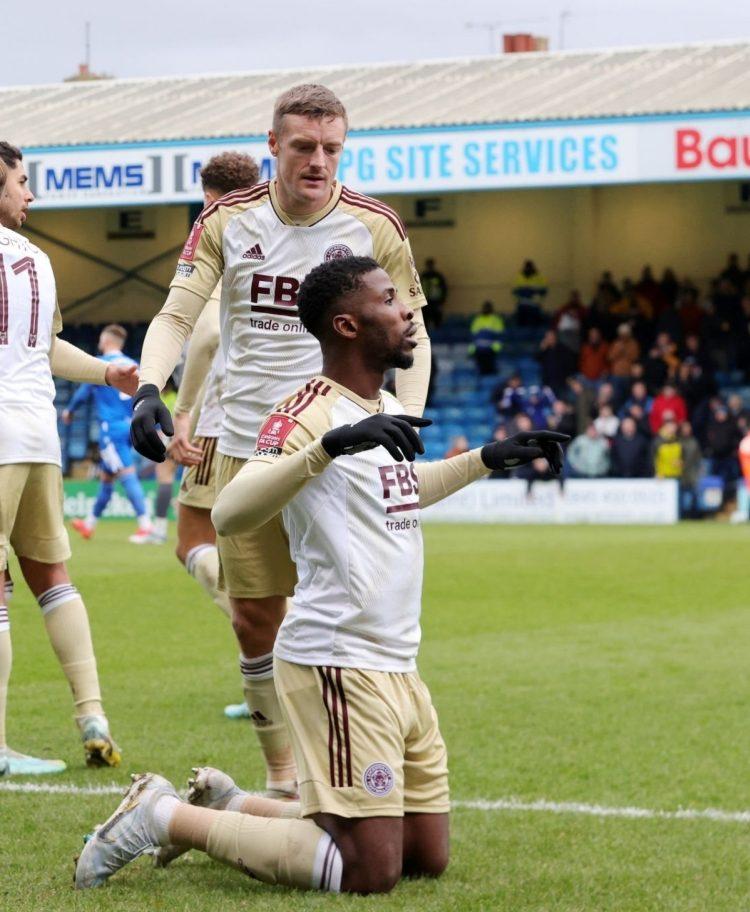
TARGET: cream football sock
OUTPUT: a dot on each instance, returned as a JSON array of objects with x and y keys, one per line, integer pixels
[
  {"x": 296, "y": 853},
  {"x": 268, "y": 721},
  {"x": 202, "y": 563},
  {"x": 68, "y": 629},
  {"x": 259, "y": 806}
]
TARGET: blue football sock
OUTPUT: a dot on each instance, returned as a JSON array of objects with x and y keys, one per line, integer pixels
[
  {"x": 102, "y": 498},
  {"x": 134, "y": 493}
]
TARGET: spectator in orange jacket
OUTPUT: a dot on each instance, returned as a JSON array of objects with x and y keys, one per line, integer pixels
[
  {"x": 593, "y": 362},
  {"x": 668, "y": 405},
  {"x": 623, "y": 352}
]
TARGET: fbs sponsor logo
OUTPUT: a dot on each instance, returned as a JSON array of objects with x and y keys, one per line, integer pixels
[
  {"x": 378, "y": 779},
  {"x": 184, "y": 270},
  {"x": 254, "y": 253},
  {"x": 337, "y": 252}
]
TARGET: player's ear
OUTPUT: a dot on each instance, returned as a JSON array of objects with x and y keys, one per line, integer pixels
[
  {"x": 346, "y": 325},
  {"x": 273, "y": 143}
]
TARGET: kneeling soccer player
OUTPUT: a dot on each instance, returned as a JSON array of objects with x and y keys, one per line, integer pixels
[{"x": 337, "y": 459}]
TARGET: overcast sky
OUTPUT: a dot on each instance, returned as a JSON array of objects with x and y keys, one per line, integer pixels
[{"x": 43, "y": 40}]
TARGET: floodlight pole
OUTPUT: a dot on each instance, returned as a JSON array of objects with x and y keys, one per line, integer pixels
[{"x": 564, "y": 16}]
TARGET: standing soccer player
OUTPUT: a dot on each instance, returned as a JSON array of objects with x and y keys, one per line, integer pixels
[
  {"x": 113, "y": 411},
  {"x": 263, "y": 241},
  {"x": 198, "y": 411},
  {"x": 31, "y": 514},
  {"x": 374, "y": 798}
]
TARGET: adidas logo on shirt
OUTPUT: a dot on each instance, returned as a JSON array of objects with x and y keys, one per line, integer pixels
[{"x": 254, "y": 253}]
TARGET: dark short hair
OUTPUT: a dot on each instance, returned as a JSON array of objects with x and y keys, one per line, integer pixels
[
  {"x": 9, "y": 154},
  {"x": 326, "y": 285},
  {"x": 229, "y": 171}
]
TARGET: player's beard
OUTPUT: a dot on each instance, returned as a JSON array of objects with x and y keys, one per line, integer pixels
[
  {"x": 383, "y": 354},
  {"x": 394, "y": 357},
  {"x": 401, "y": 359}
]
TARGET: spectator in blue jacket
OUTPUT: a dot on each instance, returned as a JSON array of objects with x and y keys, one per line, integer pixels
[{"x": 630, "y": 452}]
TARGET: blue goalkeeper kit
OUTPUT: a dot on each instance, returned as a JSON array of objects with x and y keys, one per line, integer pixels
[{"x": 113, "y": 411}]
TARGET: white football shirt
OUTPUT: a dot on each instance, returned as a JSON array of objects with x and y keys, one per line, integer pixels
[
  {"x": 355, "y": 536},
  {"x": 262, "y": 255},
  {"x": 29, "y": 318}
]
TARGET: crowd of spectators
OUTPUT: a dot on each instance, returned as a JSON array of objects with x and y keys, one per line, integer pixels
[{"x": 632, "y": 377}]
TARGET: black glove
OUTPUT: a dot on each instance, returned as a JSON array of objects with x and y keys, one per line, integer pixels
[
  {"x": 148, "y": 411},
  {"x": 395, "y": 432},
  {"x": 526, "y": 447}
]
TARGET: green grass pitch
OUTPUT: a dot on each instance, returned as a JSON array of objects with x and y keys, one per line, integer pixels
[{"x": 598, "y": 665}]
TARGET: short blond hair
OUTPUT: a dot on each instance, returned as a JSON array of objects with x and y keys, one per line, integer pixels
[
  {"x": 117, "y": 331},
  {"x": 308, "y": 100}
]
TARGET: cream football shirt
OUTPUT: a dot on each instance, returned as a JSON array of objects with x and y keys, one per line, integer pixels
[
  {"x": 355, "y": 536},
  {"x": 263, "y": 254}
]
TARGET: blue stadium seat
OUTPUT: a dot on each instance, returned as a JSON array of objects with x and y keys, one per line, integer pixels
[
  {"x": 479, "y": 434},
  {"x": 435, "y": 450},
  {"x": 453, "y": 430},
  {"x": 431, "y": 433}
]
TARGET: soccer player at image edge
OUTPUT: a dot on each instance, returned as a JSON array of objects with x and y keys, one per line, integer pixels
[{"x": 31, "y": 488}]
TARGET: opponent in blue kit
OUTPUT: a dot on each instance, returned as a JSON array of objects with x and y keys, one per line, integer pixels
[{"x": 113, "y": 411}]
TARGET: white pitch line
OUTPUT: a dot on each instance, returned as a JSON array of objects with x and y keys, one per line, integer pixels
[
  {"x": 597, "y": 810},
  {"x": 500, "y": 804},
  {"x": 45, "y": 788}
]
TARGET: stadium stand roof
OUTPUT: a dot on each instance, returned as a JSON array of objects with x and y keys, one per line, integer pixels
[{"x": 509, "y": 88}]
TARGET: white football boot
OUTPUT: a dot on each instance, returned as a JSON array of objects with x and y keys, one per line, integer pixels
[{"x": 126, "y": 835}]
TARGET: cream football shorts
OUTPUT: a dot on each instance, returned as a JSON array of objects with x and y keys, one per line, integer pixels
[
  {"x": 31, "y": 513},
  {"x": 254, "y": 564},
  {"x": 198, "y": 487},
  {"x": 367, "y": 743}
]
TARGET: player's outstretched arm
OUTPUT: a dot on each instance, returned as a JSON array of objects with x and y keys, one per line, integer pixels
[
  {"x": 438, "y": 480},
  {"x": 162, "y": 347},
  {"x": 72, "y": 363},
  {"x": 203, "y": 344},
  {"x": 262, "y": 488},
  {"x": 412, "y": 384}
]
